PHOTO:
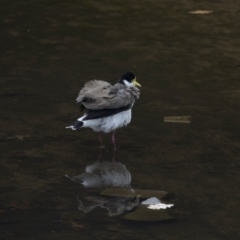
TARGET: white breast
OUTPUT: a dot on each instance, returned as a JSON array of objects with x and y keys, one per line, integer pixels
[{"x": 110, "y": 123}]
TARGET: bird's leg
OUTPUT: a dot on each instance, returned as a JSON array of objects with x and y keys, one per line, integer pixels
[
  {"x": 114, "y": 140},
  {"x": 100, "y": 155},
  {"x": 100, "y": 139}
]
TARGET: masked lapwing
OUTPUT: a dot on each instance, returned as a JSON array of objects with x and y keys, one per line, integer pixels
[{"x": 107, "y": 107}]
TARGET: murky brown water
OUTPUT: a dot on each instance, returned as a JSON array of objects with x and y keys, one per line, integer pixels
[{"x": 187, "y": 64}]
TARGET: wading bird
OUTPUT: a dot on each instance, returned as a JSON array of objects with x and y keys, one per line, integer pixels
[{"x": 107, "y": 107}]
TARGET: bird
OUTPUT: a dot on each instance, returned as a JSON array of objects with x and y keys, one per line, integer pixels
[{"x": 107, "y": 107}]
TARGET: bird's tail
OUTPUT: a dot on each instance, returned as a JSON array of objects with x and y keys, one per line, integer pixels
[{"x": 76, "y": 125}]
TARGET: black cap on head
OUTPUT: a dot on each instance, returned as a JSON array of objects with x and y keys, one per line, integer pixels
[{"x": 129, "y": 76}]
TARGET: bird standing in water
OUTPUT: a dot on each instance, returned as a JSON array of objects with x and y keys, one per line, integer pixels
[{"x": 107, "y": 106}]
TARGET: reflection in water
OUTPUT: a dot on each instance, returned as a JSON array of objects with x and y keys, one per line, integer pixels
[
  {"x": 100, "y": 155},
  {"x": 114, "y": 205},
  {"x": 105, "y": 175}
]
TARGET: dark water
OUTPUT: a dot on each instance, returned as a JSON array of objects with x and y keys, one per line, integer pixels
[{"x": 187, "y": 64}]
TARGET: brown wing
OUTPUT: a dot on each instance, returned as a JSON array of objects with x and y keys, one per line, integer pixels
[{"x": 98, "y": 94}]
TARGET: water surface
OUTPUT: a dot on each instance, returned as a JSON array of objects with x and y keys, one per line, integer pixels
[{"x": 187, "y": 64}]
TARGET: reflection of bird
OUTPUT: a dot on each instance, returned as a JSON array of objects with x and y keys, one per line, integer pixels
[
  {"x": 115, "y": 205},
  {"x": 104, "y": 174},
  {"x": 107, "y": 106}
]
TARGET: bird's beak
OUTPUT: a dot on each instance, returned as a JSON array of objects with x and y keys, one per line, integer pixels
[{"x": 135, "y": 83}]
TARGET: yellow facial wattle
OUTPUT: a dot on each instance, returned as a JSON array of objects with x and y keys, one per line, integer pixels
[{"x": 135, "y": 83}]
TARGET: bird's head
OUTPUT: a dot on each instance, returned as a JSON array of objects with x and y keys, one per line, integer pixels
[{"x": 129, "y": 79}]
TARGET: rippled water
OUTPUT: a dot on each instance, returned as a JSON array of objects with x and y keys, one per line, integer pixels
[{"x": 187, "y": 64}]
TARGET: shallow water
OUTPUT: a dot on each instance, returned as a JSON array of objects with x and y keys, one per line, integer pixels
[{"x": 187, "y": 64}]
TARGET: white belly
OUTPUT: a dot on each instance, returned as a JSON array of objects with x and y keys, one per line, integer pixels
[{"x": 110, "y": 123}]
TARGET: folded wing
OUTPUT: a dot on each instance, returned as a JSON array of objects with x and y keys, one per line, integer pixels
[{"x": 98, "y": 94}]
